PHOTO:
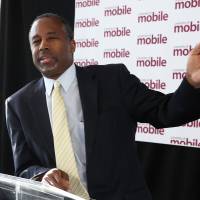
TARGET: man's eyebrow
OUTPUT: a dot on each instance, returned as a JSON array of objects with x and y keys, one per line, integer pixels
[
  {"x": 34, "y": 37},
  {"x": 49, "y": 33},
  {"x": 52, "y": 33}
]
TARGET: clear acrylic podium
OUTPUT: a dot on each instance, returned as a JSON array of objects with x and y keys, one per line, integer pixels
[{"x": 15, "y": 188}]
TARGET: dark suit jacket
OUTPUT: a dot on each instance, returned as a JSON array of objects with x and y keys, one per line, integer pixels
[{"x": 113, "y": 101}]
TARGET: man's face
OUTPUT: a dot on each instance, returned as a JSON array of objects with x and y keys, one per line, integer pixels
[{"x": 52, "y": 50}]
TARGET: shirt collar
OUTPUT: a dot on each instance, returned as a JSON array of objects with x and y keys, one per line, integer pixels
[{"x": 65, "y": 80}]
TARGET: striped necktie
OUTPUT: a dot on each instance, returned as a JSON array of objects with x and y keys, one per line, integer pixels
[{"x": 65, "y": 158}]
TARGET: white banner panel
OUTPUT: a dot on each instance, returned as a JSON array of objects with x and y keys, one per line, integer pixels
[{"x": 152, "y": 38}]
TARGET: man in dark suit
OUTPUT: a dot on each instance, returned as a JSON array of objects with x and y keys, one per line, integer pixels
[{"x": 104, "y": 104}]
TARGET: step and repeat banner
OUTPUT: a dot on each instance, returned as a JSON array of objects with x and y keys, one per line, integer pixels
[{"x": 152, "y": 38}]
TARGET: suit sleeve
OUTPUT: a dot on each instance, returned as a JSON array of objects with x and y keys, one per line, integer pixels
[
  {"x": 156, "y": 108},
  {"x": 25, "y": 162}
]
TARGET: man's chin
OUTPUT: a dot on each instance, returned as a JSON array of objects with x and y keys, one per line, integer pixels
[
  {"x": 50, "y": 74},
  {"x": 47, "y": 70}
]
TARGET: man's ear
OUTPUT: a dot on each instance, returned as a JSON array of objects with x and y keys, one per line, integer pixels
[{"x": 73, "y": 45}]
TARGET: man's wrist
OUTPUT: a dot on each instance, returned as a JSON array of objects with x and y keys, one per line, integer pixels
[{"x": 38, "y": 177}]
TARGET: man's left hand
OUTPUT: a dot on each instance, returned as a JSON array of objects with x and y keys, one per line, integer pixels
[{"x": 193, "y": 67}]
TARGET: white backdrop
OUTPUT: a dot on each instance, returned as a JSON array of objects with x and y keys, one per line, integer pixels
[{"x": 152, "y": 38}]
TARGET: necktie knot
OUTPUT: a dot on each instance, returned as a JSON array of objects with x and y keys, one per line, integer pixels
[{"x": 56, "y": 85}]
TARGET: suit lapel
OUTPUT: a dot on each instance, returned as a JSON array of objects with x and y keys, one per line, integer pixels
[
  {"x": 87, "y": 84},
  {"x": 38, "y": 106}
]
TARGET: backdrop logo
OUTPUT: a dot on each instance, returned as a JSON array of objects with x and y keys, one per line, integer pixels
[
  {"x": 148, "y": 129},
  {"x": 151, "y": 39},
  {"x": 187, "y": 27},
  {"x": 83, "y": 23},
  {"x": 185, "y": 142},
  {"x": 119, "y": 10},
  {"x": 86, "y": 3},
  {"x": 86, "y": 62},
  {"x": 187, "y": 4},
  {"x": 194, "y": 124},
  {"x": 182, "y": 50},
  {"x": 116, "y": 53},
  {"x": 152, "y": 17},
  {"x": 151, "y": 62},
  {"x": 86, "y": 43},
  {"x": 178, "y": 75},
  {"x": 155, "y": 84},
  {"x": 117, "y": 32}
]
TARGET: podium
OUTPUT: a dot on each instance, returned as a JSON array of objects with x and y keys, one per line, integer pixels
[{"x": 16, "y": 188}]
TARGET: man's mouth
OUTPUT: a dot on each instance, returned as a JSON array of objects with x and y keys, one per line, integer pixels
[{"x": 45, "y": 60}]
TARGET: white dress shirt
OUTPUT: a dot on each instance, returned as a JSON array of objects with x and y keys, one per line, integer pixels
[{"x": 70, "y": 93}]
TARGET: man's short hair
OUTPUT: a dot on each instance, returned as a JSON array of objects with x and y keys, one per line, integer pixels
[{"x": 59, "y": 18}]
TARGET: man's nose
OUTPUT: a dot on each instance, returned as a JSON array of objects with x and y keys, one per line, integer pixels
[{"x": 43, "y": 45}]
